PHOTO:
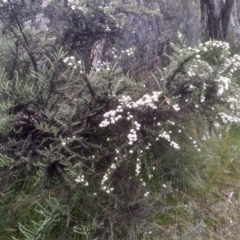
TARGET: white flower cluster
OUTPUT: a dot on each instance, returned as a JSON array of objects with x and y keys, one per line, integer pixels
[
  {"x": 234, "y": 103},
  {"x": 116, "y": 17},
  {"x": 106, "y": 176},
  {"x": 67, "y": 140},
  {"x": 138, "y": 167},
  {"x": 114, "y": 52},
  {"x": 146, "y": 194},
  {"x": 171, "y": 122},
  {"x": 125, "y": 100},
  {"x": 201, "y": 67},
  {"x": 176, "y": 107},
  {"x": 203, "y": 93},
  {"x": 232, "y": 63},
  {"x": 129, "y": 51},
  {"x": 174, "y": 145},
  {"x": 137, "y": 125},
  {"x": 235, "y": 60},
  {"x": 226, "y": 118},
  {"x": 195, "y": 144},
  {"x": 215, "y": 44},
  {"x": 132, "y": 136},
  {"x": 206, "y": 47},
  {"x": 111, "y": 117},
  {"x": 81, "y": 179},
  {"x": 205, "y": 137},
  {"x": 223, "y": 85},
  {"x": 148, "y": 146},
  {"x": 145, "y": 101},
  {"x": 77, "y": 4},
  {"x": 71, "y": 61},
  {"x": 227, "y": 67},
  {"x": 103, "y": 66},
  {"x": 108, "y": 29},
  {"x": 191, "y": 72},
  {"x": 142, "y": 182},
  {"x": 202, "y": 98},
  {"x": 166, "y": 136}
]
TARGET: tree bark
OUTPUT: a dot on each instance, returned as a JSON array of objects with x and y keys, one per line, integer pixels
[
  {"x": 226, "y": 15},
  {"x": 214, "y": 12}
]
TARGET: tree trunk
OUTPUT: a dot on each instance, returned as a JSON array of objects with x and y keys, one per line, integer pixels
[
  {"x": 226, "y": 15},
  {"x": 214, "y": 13}
]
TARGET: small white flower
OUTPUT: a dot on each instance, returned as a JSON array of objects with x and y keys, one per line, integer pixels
[
  {"x": 77, "y": 179},
  {"x": 146, "y": 194},
  {"x": 176, "y": 107}
]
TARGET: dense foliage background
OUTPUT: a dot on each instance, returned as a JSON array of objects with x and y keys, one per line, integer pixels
[{"x": 89, "y": 150}]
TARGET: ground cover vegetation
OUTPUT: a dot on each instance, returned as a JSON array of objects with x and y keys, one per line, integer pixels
[{"x": 89, "y": 151}]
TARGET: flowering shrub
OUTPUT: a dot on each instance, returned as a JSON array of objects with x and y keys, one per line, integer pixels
[{"x": 116, "y": 150}]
